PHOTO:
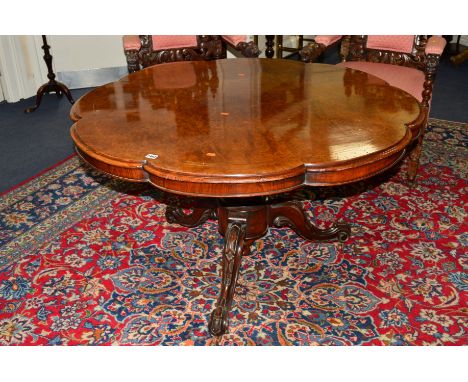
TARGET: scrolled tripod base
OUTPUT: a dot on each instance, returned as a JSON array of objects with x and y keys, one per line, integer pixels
[
  {"x": 49, "y": 87},
  {"x": 196, "y": 217},
  {"x": 241, "y": 226}
]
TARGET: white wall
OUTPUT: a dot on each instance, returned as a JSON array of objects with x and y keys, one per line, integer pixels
[
  {"x": 74, "y": 53},
  {"x": 18, "y": 77},
  {"x": 23, "y": 69}
]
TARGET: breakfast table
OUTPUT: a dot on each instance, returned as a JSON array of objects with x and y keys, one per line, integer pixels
[{"x": 240, "y": 132}]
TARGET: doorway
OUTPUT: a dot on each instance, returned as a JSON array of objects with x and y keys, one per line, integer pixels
[{"x": 2, "y": 97}]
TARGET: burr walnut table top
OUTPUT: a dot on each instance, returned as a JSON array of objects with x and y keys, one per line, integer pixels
[{"x": 243, "y": 127}]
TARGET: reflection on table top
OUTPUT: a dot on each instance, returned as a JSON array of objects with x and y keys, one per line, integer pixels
[{"x": 242, "y": 118}]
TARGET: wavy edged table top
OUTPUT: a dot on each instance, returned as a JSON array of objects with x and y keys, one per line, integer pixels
[{"x": 243, "y": 127}]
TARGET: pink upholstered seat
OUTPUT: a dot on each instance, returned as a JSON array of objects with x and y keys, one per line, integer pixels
[{"x": 408, "y": 79}]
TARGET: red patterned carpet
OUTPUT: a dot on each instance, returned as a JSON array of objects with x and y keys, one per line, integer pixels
[{"x": 88, "y": 260}]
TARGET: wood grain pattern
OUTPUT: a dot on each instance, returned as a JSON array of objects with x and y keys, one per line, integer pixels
[{"x": 244, "y": 127}]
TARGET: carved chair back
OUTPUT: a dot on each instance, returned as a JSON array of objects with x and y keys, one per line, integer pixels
[
  {"x": 208, "y": 47},
  {"x": 408, "y": 50},
  {"x": 147, "y": 50}
]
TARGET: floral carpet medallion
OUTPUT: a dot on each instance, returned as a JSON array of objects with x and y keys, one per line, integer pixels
[{"x": 88, "y": 260}]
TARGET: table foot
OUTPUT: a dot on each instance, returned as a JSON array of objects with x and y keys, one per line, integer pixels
[
  {"x": 196, "y": 217},
  {"x": 292, "y": 215}
]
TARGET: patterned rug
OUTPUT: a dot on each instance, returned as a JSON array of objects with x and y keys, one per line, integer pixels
[{"x": 89, "y": 260}]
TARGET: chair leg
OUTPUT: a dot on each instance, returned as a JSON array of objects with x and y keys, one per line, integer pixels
[
  {"x": 413, "y": 163},
  {"x": 419, "y": 125},
  {"x": 415, "y": 154}
]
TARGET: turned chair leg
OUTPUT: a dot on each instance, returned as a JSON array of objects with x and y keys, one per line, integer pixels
[
  {"x": 413, "y": 163},
  {"x": 414, "y": 155}
]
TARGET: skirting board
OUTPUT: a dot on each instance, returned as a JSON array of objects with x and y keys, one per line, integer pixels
[{"x": 91, "y": 77}]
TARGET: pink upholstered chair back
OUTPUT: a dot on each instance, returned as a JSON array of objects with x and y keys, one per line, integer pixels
[
  {"x": 173, "y": 42},
  {"x": 146, "y": 50},
  {"x": 188, "y": 41},
  {"x": 397, "y": 43},
  {"x": 403, "y": 50}
]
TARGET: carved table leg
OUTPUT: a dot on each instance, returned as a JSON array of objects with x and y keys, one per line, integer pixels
[
  {"x": 240, "y": 226},
  {"x": 292, "y": 215},
  {"x": 234, "y": 247},
  {"x": 196, "y": 217}
]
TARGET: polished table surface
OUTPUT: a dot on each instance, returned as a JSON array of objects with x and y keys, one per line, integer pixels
[
  {"x": 238, "y": 131},
  {"x": 244, "y": 127}
]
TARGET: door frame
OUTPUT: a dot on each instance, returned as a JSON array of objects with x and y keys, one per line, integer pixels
[
  {"x": 20, "y": 67},
  {"x": 2, "y": 97}
]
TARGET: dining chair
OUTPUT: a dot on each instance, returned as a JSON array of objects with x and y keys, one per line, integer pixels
[{"x": 408, "y": 62}]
